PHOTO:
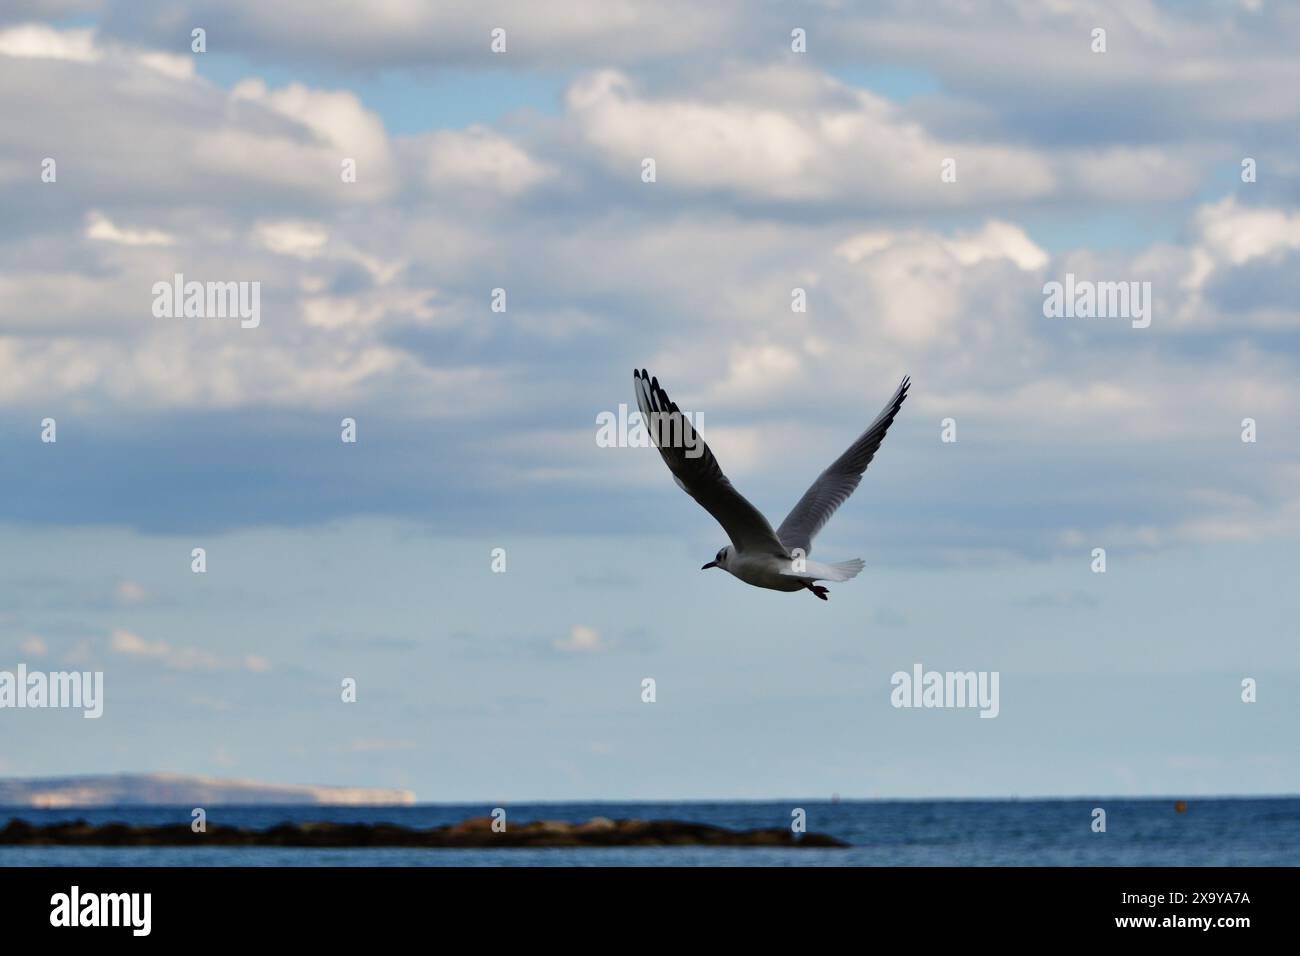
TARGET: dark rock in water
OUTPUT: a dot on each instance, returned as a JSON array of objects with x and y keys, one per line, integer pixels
[{"x": 475, "y": 833}]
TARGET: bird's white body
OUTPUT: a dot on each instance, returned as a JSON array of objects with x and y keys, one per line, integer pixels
[
  {"x": 763, "y": 570},
  {"x": 758, "y": 555},
  {"x": 780, "y": 573}
]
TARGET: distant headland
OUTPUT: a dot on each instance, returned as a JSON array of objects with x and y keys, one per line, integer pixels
[{"x": 173, "y": 790}]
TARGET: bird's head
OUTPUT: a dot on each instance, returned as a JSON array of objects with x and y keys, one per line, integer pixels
[{"x": 721, "y": 560}]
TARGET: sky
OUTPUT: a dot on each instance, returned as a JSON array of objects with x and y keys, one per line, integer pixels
[{"x": 920, "y": 172}]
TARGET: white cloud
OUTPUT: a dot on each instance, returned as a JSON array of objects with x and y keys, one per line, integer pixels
[
  {"x": 1137, "y": 174},
  {"x": 394, "y": 33},
  {"x": 479, "y": 159},
  {"x": 1230, "y": 243},
  {"x": 129, "y": 592},
  {"x": 129, "y": 644},
  {"x": 175, "y": 65},
  {"x": 1231, "y": 233},
  {"x": 34, "y": 646},
  {"x": 815, "y": 140},
  {"x": 99, "y": 227},
  {"x": 303, "y": 240},
  {"x": 339, "y": 126},
  {"x": 918, "y": 285},
  {"x": 582, "y": 640},
  {"x": 770, "y": 177},
  {"x": 37, "y": 41},
  {"x": 175, "y": 658},
  {"x": 758, "y": 369}
]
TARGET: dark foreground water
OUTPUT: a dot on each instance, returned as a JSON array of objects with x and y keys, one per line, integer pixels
[{"x": 1221, "y": 832}]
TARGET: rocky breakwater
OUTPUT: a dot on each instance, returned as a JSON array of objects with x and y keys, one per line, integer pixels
[{"x": 475, "y": 833}]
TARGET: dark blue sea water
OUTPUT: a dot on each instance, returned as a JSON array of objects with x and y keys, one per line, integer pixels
[{"x": 1212, "y": 832}]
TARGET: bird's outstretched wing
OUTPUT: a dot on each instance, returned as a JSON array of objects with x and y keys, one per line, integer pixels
[
  {"x": 697, "y": 471},
  {"x": 838, "y": 481}
]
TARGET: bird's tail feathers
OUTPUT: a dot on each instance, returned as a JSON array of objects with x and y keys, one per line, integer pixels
[{"x": 839, "y": 571}]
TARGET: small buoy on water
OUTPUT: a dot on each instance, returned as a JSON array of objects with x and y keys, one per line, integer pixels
[{"x": 1180, "y": 806}]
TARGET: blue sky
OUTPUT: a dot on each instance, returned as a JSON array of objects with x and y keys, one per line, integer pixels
[{"x": 476, "y": 429}]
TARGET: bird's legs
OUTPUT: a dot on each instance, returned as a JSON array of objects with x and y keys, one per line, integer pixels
[{"x": 817, "y": 589}]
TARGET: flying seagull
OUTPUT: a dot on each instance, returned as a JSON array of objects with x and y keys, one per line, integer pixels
[{"x": 758, "y": 555}]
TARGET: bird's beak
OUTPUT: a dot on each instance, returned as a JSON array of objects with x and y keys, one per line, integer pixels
[{"x": 711, "y": 564}]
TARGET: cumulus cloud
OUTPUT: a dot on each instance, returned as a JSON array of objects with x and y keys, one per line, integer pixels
[
  {"x": 129, "y": 644},
  {"x": 1166, "y": 75},
  {"x": 452, "y": 32},
  {"x": 481, "y": 160},
  {"x": 1232, "y": 234},
  {"x": 582, "y": 640},
  {"x": 336, "y": 127},
  {"x": 38, "y": 41},
  {"x": 302, "y": 240},
  {"x": 98, "y": 226},
  {"x": 242, "y": 185},
  {"x": 815, "y": 140},
  {"x": 1237, "y": 268},
  {"x": 775, "y": 172},
  {"x": 174, "y": 134},
  {"x": 129, "y": 592},
  {"x": 178, "y": 658},
  {"x": 795, "y": 135},
  {"x": 34, "y": 646}
]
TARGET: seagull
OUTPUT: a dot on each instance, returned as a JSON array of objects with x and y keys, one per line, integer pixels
[{"x": 778, "y": 559}]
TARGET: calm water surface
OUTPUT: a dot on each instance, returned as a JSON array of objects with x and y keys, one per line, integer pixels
[{"x": 1219, "y": 832}]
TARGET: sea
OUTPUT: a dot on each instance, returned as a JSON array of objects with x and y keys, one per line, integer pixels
[{"x": 1149, "y": 832}]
